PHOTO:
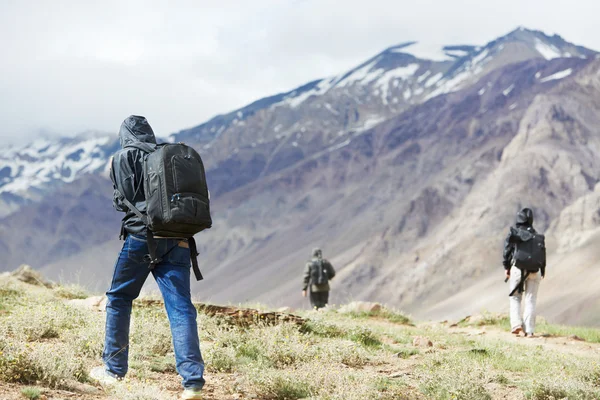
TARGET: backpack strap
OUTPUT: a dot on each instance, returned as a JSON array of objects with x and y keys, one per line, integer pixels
[
  {"x": 194, "y": 257},
  {"x": 152, "y": 245},
  {"x": 133, "y": 208}
]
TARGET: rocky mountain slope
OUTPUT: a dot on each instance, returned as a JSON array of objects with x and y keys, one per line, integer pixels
[{"x": 407, "y": 170}]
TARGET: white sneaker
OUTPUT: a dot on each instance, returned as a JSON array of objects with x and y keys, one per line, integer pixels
[
  {"x": 191, "y": 394},
  {"x": 101, "y": 375}
]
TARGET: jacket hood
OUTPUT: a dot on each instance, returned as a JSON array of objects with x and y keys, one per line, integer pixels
[
  {"x": 525, "y": 217},
  {"x": 136, "y": 129},
  {"x": 317, "y": 252}
]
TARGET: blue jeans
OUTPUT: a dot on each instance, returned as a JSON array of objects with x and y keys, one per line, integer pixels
[{"x": 173, "y": 278}]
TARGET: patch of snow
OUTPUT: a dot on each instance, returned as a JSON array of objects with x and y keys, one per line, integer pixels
[
  {"x": 294, "y": 99},
  {"x": 450, "y": 85},
  {"x": 357, "y": 75},
  {"x": 509, "y": 89},
  {"x": 425, "y": 51},
  {"x": 558, "y": 75},
  {"x": 240, "y": 114},
  {"x": 295, "y": 144},
  {"x": 333, "y": 111},
  {"x": 407, "y": 94},
  {"x": 537, "y": 75},
  {"x": 277, "y": 128},
  {"x": 480, "y": 57},
  {"x": 457, "y": 53},
  {"x": 546, "y": 50},
  {"x": 424, "y": 76},
  {"x": 369, "y": 123},
  {"x": 481, "y": 91},
  {"x": 433, "y": 80},
  {"x": 512, "y": 106},
  {"x": 401, "y": 73},
  {"x": 340, "y": 145}
]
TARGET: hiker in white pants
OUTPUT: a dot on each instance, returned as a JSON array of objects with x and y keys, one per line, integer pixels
[
  {"x": 530, "y": 290},
  {"x": 525, "y": 265}
]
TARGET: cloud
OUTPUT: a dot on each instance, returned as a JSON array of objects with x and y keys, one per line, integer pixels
[{"x": 69, "y": 66}]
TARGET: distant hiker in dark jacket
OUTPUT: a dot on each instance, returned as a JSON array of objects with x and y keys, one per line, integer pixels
[
  {"x": 317, "y": 274},
  {"x": 172, "y": 274},
  {"x": 525, "y": 265}
]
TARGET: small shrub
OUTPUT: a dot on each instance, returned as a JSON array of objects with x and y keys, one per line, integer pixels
[
  {"x": 389, "y": 314},
  {"x": 282, "y": 387},
  {"x": 406, "y": 353},
  {"x": 163, "y": 365},
  {"x": 546, "y": 392},
  {"x": 220, "y": 360},
  {"x": 364, "y": 336},
  {"x": 52, "y": 365},
  {"x": 31, "y": 393},
  {"x": 322, "y": 329}
]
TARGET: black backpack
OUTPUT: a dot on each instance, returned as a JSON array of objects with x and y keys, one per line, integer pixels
[
  {"x": 319, "y": 273},
  {"x": 530, "y": 250},
  {"x": 177, "y": 197}
]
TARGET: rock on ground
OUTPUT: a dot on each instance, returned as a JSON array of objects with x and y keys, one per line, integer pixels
[
  {"x": 96, "y": 303},
  {"x": 361, "y": 306},
  {"x": 28, "y": 275},
  {"x": 421, "y": 341}
]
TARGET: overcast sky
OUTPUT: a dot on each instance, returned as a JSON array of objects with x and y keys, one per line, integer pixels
[{"x": 70, "y": 66}]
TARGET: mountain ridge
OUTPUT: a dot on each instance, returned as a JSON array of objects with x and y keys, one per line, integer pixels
[{"x": 393, "y": 190}]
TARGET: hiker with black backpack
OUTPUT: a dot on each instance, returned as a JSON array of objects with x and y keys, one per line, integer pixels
[
  {"x": 162, "y": 190},
  {"x": 317, "y": 274},
  {"x": 525, "y": 266}
]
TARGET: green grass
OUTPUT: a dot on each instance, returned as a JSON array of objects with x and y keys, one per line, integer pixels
[
  {"x": 384, "y": 313},
  {"x": 31, "y": 393},
  {"x": 333, "y": 356},
  {"x": 591, "y": 335}
]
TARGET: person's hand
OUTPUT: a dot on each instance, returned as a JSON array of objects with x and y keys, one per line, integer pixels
[
  {"x": 507, "y": 275},
  {"x": 304, "y": 293}
]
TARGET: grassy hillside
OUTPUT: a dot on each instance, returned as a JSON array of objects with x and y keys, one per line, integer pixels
[{"x": 48, "y": 345}]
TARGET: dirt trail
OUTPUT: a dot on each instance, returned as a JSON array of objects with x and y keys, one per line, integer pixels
[{"x": 559, "y": 344}]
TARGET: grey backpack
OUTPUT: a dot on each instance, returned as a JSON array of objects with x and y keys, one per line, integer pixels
[{"x": 177, "y": 196}]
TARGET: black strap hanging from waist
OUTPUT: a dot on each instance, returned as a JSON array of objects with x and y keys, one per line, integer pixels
[
  {"x": 521, "y": 286},
  {"x": 194, "y": 257},
  {"x": 151, "y": 257}
]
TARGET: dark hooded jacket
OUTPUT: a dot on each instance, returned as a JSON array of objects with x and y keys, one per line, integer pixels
[
  {"x": 524, "y": 226},
  {"x": 126, "y": 171}
]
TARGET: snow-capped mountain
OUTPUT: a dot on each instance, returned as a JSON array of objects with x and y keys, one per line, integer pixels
[
  {"x": 28, "y": 173},
  {"x": 319, "y": 116},
  {"x": 397, "y": 78}
]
